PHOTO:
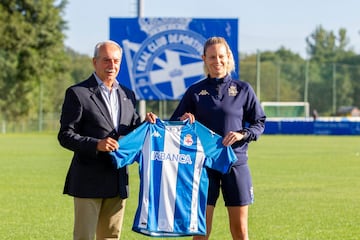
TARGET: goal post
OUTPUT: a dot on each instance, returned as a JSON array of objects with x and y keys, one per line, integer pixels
[{"x": 286, "y": 109}]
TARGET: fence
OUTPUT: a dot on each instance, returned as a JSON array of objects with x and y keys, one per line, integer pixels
[
  {"x": 49, "y": 122},
  {"x": 326, "y": 87},
  {"x": 47, "y": 125}
]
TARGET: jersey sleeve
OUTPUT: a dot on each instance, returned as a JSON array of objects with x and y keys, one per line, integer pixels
[
  {"x": 218, "y": 156},
  {"x": 130, "y": 146}
]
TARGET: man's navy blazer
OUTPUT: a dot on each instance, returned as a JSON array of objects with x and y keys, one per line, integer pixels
[{"x": 84, "y": 121}]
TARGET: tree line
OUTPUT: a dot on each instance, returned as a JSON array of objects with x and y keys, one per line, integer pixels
[
  {"x": 37, "y": 67},
  {"x": 328, "y": 79}
]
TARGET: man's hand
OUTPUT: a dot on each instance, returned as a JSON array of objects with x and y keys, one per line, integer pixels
[
  {"x": 107, "y": 145},
  {"x": 150, "y": 117},
  {"x": 189, "y": 116}
]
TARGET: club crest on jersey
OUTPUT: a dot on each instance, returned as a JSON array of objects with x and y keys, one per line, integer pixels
[
  {"x": 232, "y": 91},
  {"x": 188, "y": 141},
  {"x": 203, "y": 93}
]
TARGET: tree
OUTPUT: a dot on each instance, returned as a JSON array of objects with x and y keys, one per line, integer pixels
[
  {"x": 333, "y": 80},
  {"x": 81, "y": 66},
  {"x": 281, "y": 74},
  {"x": 32, "y": 40},
  {"x": 352, "y": 62},
  {"x": 323, "y": 46}
]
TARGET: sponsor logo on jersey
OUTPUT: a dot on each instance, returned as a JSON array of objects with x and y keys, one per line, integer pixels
[
  {"x": 155, "y": 134},
  {"x": 203, "y": 93},
  {"x": 174, "y": 157}
]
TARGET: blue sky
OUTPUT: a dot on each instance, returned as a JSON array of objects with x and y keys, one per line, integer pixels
[{"x": 263, "y": 24}]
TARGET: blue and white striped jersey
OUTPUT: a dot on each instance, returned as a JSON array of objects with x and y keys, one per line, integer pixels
[{"x": 172, "y": 157}]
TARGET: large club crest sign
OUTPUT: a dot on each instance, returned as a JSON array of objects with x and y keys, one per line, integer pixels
[{"x": 162, "y": 56}]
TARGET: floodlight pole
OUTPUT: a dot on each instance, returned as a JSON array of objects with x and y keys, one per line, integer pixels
[
  {"x": 40, "y": 123},
  {"x": 142, "y": 102},
  {"x": 140, "y": 8},
  {"x": 334, "y": 88},
  {"x": 258, "y": 74},
  {"x": 306, "y": 81}
]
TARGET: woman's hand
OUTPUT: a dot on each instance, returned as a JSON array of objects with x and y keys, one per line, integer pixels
[{"x": 232, "y": 137}]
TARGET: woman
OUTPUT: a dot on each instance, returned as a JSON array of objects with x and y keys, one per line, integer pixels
[{"x": 230, "y": 108}]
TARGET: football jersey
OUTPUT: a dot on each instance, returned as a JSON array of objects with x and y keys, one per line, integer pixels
[{"x": 172, "y": 157}]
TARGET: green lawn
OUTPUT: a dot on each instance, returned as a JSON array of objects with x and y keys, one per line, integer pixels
[{"x": 306, "y": 187}]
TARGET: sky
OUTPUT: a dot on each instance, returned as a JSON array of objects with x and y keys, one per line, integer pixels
[{"x": 264, "y": 25}]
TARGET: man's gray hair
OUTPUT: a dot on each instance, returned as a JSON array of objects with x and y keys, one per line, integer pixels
[{"x": 100, "y": 44}]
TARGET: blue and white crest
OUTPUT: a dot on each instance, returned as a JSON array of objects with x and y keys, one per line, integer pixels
[{"x": 162, "y": 56}]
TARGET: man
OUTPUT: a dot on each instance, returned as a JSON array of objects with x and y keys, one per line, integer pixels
[{"x": 95, "y": 113}]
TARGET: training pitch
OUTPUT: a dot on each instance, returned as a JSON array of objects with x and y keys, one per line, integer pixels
[{"x": 306, "y": 187}]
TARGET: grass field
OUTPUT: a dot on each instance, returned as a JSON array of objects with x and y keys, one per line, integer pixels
[{"x": 306, "y": 187}]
